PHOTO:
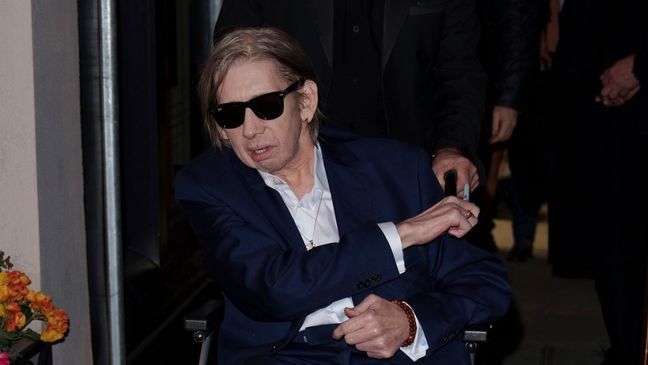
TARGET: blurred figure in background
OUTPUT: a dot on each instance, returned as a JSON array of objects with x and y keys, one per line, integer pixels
[
  {"x": 401, "y": 69},
  {"x": 597, "y": 201},
  {"x": 508, "y": 53},
  {"x": 528, "y": 148}
]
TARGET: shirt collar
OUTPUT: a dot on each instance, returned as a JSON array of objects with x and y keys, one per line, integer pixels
[{"x": 320, "y": 180}]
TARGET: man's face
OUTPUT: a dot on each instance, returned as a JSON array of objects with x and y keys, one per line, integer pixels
[{"x": 276, "y": 145}]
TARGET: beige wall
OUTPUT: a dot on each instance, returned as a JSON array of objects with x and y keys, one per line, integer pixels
[
  {"x": 41, "y": 184},
  {"x": 19, "y": 234}
]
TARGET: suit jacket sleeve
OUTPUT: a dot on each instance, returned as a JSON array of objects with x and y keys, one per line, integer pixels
[
  {"x": 470, "y": 285},
  {"x": 460, "y": 84},
  {"x": 517, "y": 54},
  {"x": 270, "y": 280}
]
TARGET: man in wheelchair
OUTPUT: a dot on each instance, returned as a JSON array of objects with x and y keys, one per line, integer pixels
[{"x": 329, "y": 248}]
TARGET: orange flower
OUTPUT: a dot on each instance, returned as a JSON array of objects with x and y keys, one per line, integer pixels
[
  {"x": 19, "y": 306},
  {"x": 57, "y": 325},
  {"x": 15, "y": 317},
  {"x": 40, "y": 301},
  {"x": 18, "y": 282},
  {"x": 4, "y": 293},
  {"x": 12, "y": 307}
]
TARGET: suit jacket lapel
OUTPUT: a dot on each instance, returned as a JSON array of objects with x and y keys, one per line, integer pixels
[
  {"x": 321, "y": 11},
  {"x": 395, "y": 13},
  {"x": 348, "y": 184},
  {"x": 271, "y": 205}
]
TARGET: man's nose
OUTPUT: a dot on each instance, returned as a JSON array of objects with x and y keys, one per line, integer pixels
[{"x": 252, "y": 125}]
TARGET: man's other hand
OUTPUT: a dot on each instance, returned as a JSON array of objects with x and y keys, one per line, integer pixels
[
  {"x": 504, "y": 122},
  {"x": 619, "y": 83},
  {"x": 375, "y": 326},
  {"x": 447, "y": 159}
]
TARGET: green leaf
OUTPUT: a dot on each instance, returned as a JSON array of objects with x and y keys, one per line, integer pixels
[
  {"x": 27, "y": 311},
  {"x": 8, "y": 338},
  {"x": 5, "y": 263}
]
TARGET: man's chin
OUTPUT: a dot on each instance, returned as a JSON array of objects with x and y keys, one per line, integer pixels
[{"x": 265, "y": 166}]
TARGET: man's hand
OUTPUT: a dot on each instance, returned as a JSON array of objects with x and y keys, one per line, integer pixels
[
  {"x": 375, "y": 326},
  {"x": 619, "y": 83},
  {"x": 546, "y": 60},
  {"x": 456, "y": 216},
  {"x": 504, "y": 122},
  {"x": 447, "y": 159}
]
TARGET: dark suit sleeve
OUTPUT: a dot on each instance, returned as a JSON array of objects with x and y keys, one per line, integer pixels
[
  {"x": 469, "y": 285},
  {"x": 267, "y": 279},
  {"x": 458, "y": 102},
  {"x": 518, "y": 53}
]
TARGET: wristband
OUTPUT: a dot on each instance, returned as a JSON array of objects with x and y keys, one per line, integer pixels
[{"x": 411, "y": 321}]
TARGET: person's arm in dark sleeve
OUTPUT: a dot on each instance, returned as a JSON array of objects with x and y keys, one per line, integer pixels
[
  {"x": 518, "y": 52},
  {"x": 517, "y": 59},
  {"x": 458, "y": 102},
  {"x": 470, "y": 287}
]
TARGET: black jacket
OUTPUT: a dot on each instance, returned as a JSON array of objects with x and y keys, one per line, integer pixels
[
  {"x": 508, "y": 49},
  {"x": 432, "y": 84}
]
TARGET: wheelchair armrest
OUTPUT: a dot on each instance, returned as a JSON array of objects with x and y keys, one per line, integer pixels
[
  {"x": 474, "y": 335},
  {"x": 204, "y": 319}
]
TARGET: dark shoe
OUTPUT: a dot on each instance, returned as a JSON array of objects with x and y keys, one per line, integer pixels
[{"x": 520, "y": 253}]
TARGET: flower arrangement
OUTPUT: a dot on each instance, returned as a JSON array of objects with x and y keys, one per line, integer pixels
[{"x": 19, "y": 306}]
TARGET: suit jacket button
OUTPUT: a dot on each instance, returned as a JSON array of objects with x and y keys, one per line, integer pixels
[
  {"x": 360, "y": 285},
  {"x": 379, "y": 277},
  {"x": 367, "y": 283}
]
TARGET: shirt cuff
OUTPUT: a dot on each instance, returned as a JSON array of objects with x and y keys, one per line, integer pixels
[
  {"x": 392, "y": 236},
  {"x": 419, "y": 347}
]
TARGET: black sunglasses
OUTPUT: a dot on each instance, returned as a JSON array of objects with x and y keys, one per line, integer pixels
[{"x": 267, "y": 107}]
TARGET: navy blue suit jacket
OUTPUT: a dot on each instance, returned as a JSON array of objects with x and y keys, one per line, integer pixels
[{"x": 252, "y": 247}]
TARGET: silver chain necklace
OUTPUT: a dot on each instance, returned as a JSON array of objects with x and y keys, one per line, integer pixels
[{"x": 311, "y": 242}]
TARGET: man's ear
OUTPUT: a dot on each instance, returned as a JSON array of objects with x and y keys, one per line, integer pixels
[{"x": 308, "y": 100}]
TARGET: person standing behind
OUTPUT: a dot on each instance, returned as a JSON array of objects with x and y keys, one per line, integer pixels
[
  {"x": 625, "y": 80},
  {"x": 597, "y": 211},
  {"x": 401, "y": 69},
  {"x": 507, "y": 51}
]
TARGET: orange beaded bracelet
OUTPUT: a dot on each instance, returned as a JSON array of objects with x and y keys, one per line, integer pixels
[{"x": 411, "y": 321}]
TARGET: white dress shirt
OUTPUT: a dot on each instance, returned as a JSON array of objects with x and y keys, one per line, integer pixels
[{"x": 314, "y": 216}]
